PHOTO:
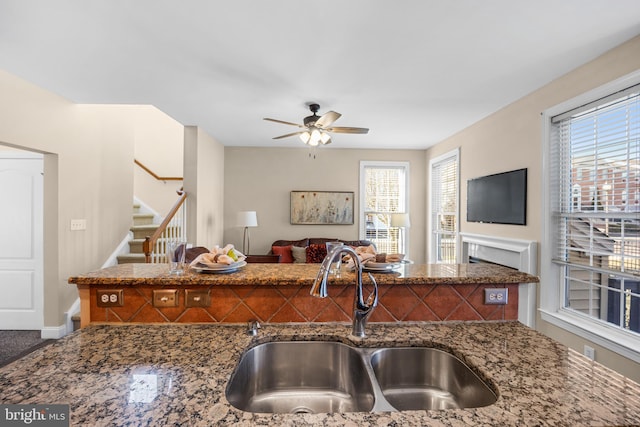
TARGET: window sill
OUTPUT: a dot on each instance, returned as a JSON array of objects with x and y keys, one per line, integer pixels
[{"x": 608, "y": 337}]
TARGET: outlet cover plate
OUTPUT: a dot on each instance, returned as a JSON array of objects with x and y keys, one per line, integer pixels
[
  {"x": 110, "y": 297},
  {"x": 196, "y": 298},
  {"x": 165, "y": 298},
  {"x": 496, "y": 296}
]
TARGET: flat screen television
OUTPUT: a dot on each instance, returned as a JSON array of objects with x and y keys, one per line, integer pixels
[{"x": 498, "y": 199}]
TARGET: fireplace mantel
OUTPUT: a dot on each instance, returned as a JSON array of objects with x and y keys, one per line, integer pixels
[{"x": 515, "y": 253}]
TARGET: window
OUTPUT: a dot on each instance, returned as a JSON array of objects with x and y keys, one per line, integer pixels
[
  {"x": 384, "y": 190},
  {"x": 444, "y": 213},
  {"x": 593, "y": 236}
]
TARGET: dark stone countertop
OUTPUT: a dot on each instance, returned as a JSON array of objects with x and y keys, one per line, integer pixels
[
  {"x": 161, "y": 375},
  {"x": 301, "y": 274}
]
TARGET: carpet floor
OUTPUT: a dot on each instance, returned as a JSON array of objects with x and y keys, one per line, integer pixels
[{"x": 17, "y": 344}]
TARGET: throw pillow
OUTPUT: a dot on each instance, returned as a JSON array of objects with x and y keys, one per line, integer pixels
[
  {"x": 284, "y": 252},
  {"x": 299, "y": 254},
  {"x": 316, "y": 253}
]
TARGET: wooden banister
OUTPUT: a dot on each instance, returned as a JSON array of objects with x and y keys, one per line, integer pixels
[
  {"x": 150, "y": 241},
  {"x": 159, "y": 178}
]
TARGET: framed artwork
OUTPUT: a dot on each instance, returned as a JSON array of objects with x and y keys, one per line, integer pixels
[{"x": 322, "y": 207}]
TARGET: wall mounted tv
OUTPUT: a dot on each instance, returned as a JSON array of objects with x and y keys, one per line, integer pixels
[{"x": 498, "y": 199}]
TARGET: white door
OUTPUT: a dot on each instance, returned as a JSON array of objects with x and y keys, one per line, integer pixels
[{"x": 21, "y": 240}]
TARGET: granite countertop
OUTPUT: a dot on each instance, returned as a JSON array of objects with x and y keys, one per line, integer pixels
[
  {"x": 99, "y": 371},
  {"x": 302, "y": 274}
]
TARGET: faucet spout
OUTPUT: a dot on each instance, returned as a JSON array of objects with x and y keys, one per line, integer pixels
[{"x": 361, "y": 309}]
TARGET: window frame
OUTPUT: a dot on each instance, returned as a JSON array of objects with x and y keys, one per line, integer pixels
[
  {"x": 551, "y": 293},
  {"x": 455, "y": 155},
  {"x": 364, "y": 164}
]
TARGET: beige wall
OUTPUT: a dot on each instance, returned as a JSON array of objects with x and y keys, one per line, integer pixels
[
  {"x": 512, "y": 138},
  {"x": 204, "y": 181},
  {"x": 159, "y": 145},
  {"x": 87, "y": 175},
  {"x": 261, "y": 179}
]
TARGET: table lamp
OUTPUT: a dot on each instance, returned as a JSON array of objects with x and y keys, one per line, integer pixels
[{"x": 247, "y": 219}]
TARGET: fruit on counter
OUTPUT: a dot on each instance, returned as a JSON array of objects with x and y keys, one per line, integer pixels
[{"x": 227, "y": 255}]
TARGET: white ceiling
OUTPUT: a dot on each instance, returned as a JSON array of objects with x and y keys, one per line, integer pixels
[{"x": 413, "y": 71}]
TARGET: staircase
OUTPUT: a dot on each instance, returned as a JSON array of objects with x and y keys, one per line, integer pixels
[{"x": 143, "y": 226}]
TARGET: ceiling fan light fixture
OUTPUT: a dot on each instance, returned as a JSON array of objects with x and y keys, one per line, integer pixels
[
  {"x": 317, "y": 130},
  {"x": 316, "y": 138},
  {"x": 305, "y": 137}
]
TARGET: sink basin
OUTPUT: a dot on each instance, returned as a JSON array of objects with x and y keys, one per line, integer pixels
[
  {"x": 414, "y": 378},
  {"x": 301, "y": 377},
  {"x": 324, "y": 376}
]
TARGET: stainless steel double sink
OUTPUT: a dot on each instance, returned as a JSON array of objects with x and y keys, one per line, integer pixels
[{"x": 325, "y": 376}]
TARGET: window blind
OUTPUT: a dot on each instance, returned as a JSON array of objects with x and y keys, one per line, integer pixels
[
  {"x": 598, "y": 183},
  {"x": 618, "y": 96},
  {"x": 595, "y": 179}
]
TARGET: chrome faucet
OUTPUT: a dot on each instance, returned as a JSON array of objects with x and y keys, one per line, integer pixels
[
  {"x": 361, "y": 309},
  {"x": 252, "y": 327}
]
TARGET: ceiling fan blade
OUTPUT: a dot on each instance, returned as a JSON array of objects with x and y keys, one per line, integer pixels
[
  {"x": 283, "y": 122},
  {"x": 288, "y": 135},
  {"x": 348, "y": 130},
  {"x": 327, "y": 119}
]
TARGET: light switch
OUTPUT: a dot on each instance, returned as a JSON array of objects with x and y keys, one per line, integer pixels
[{"x": 78, "y": 224}]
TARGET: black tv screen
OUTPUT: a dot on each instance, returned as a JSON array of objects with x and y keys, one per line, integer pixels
[{"x": 498, "y": 199}]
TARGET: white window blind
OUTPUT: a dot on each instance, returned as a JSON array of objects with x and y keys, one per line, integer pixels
[
  {"x": 384, "y": 192},
  {"x": 596, "y": 177},
  {"x": 444, "y": 209}
]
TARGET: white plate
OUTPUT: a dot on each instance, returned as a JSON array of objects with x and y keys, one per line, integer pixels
[
  {"x": 380, "y": 266},
  {"x": 219, "y": 268}
]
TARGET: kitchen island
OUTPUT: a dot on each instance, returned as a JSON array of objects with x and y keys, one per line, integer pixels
[
  {"x": 279, "y": 293},
  {"x": 175, "y": 374}
]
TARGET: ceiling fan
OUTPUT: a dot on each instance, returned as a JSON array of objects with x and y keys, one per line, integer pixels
[{"x": 316, "y": 128}]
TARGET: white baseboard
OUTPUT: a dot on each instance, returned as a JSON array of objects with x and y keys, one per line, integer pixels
[{"x": 54, "y": 332}]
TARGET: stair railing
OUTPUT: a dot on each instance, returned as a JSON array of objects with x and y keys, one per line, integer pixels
[
  {"x": 173, "y": 227},
  {"x": 153, "y": 174}
]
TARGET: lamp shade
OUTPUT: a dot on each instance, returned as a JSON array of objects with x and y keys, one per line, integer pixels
[
  {"x": 247, "y": 219},
  {"x": 400, "y": 220}
]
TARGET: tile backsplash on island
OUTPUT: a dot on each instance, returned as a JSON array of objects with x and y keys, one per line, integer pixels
[
  {"x": 280, "y": 293},
  {"x": 292, "y": 303}
]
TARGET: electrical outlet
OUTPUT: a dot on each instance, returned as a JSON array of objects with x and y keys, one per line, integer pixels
[
  {"x": 110, "y": 297},
  {"x": 78, "y": 224},
  {"x": 165, "y": 298},
  {"x": 496, "y": 296},
  {"x": 590, "y": 352}
]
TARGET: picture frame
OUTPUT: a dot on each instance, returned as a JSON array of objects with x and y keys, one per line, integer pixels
[{"x": 322, "y": 207}]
